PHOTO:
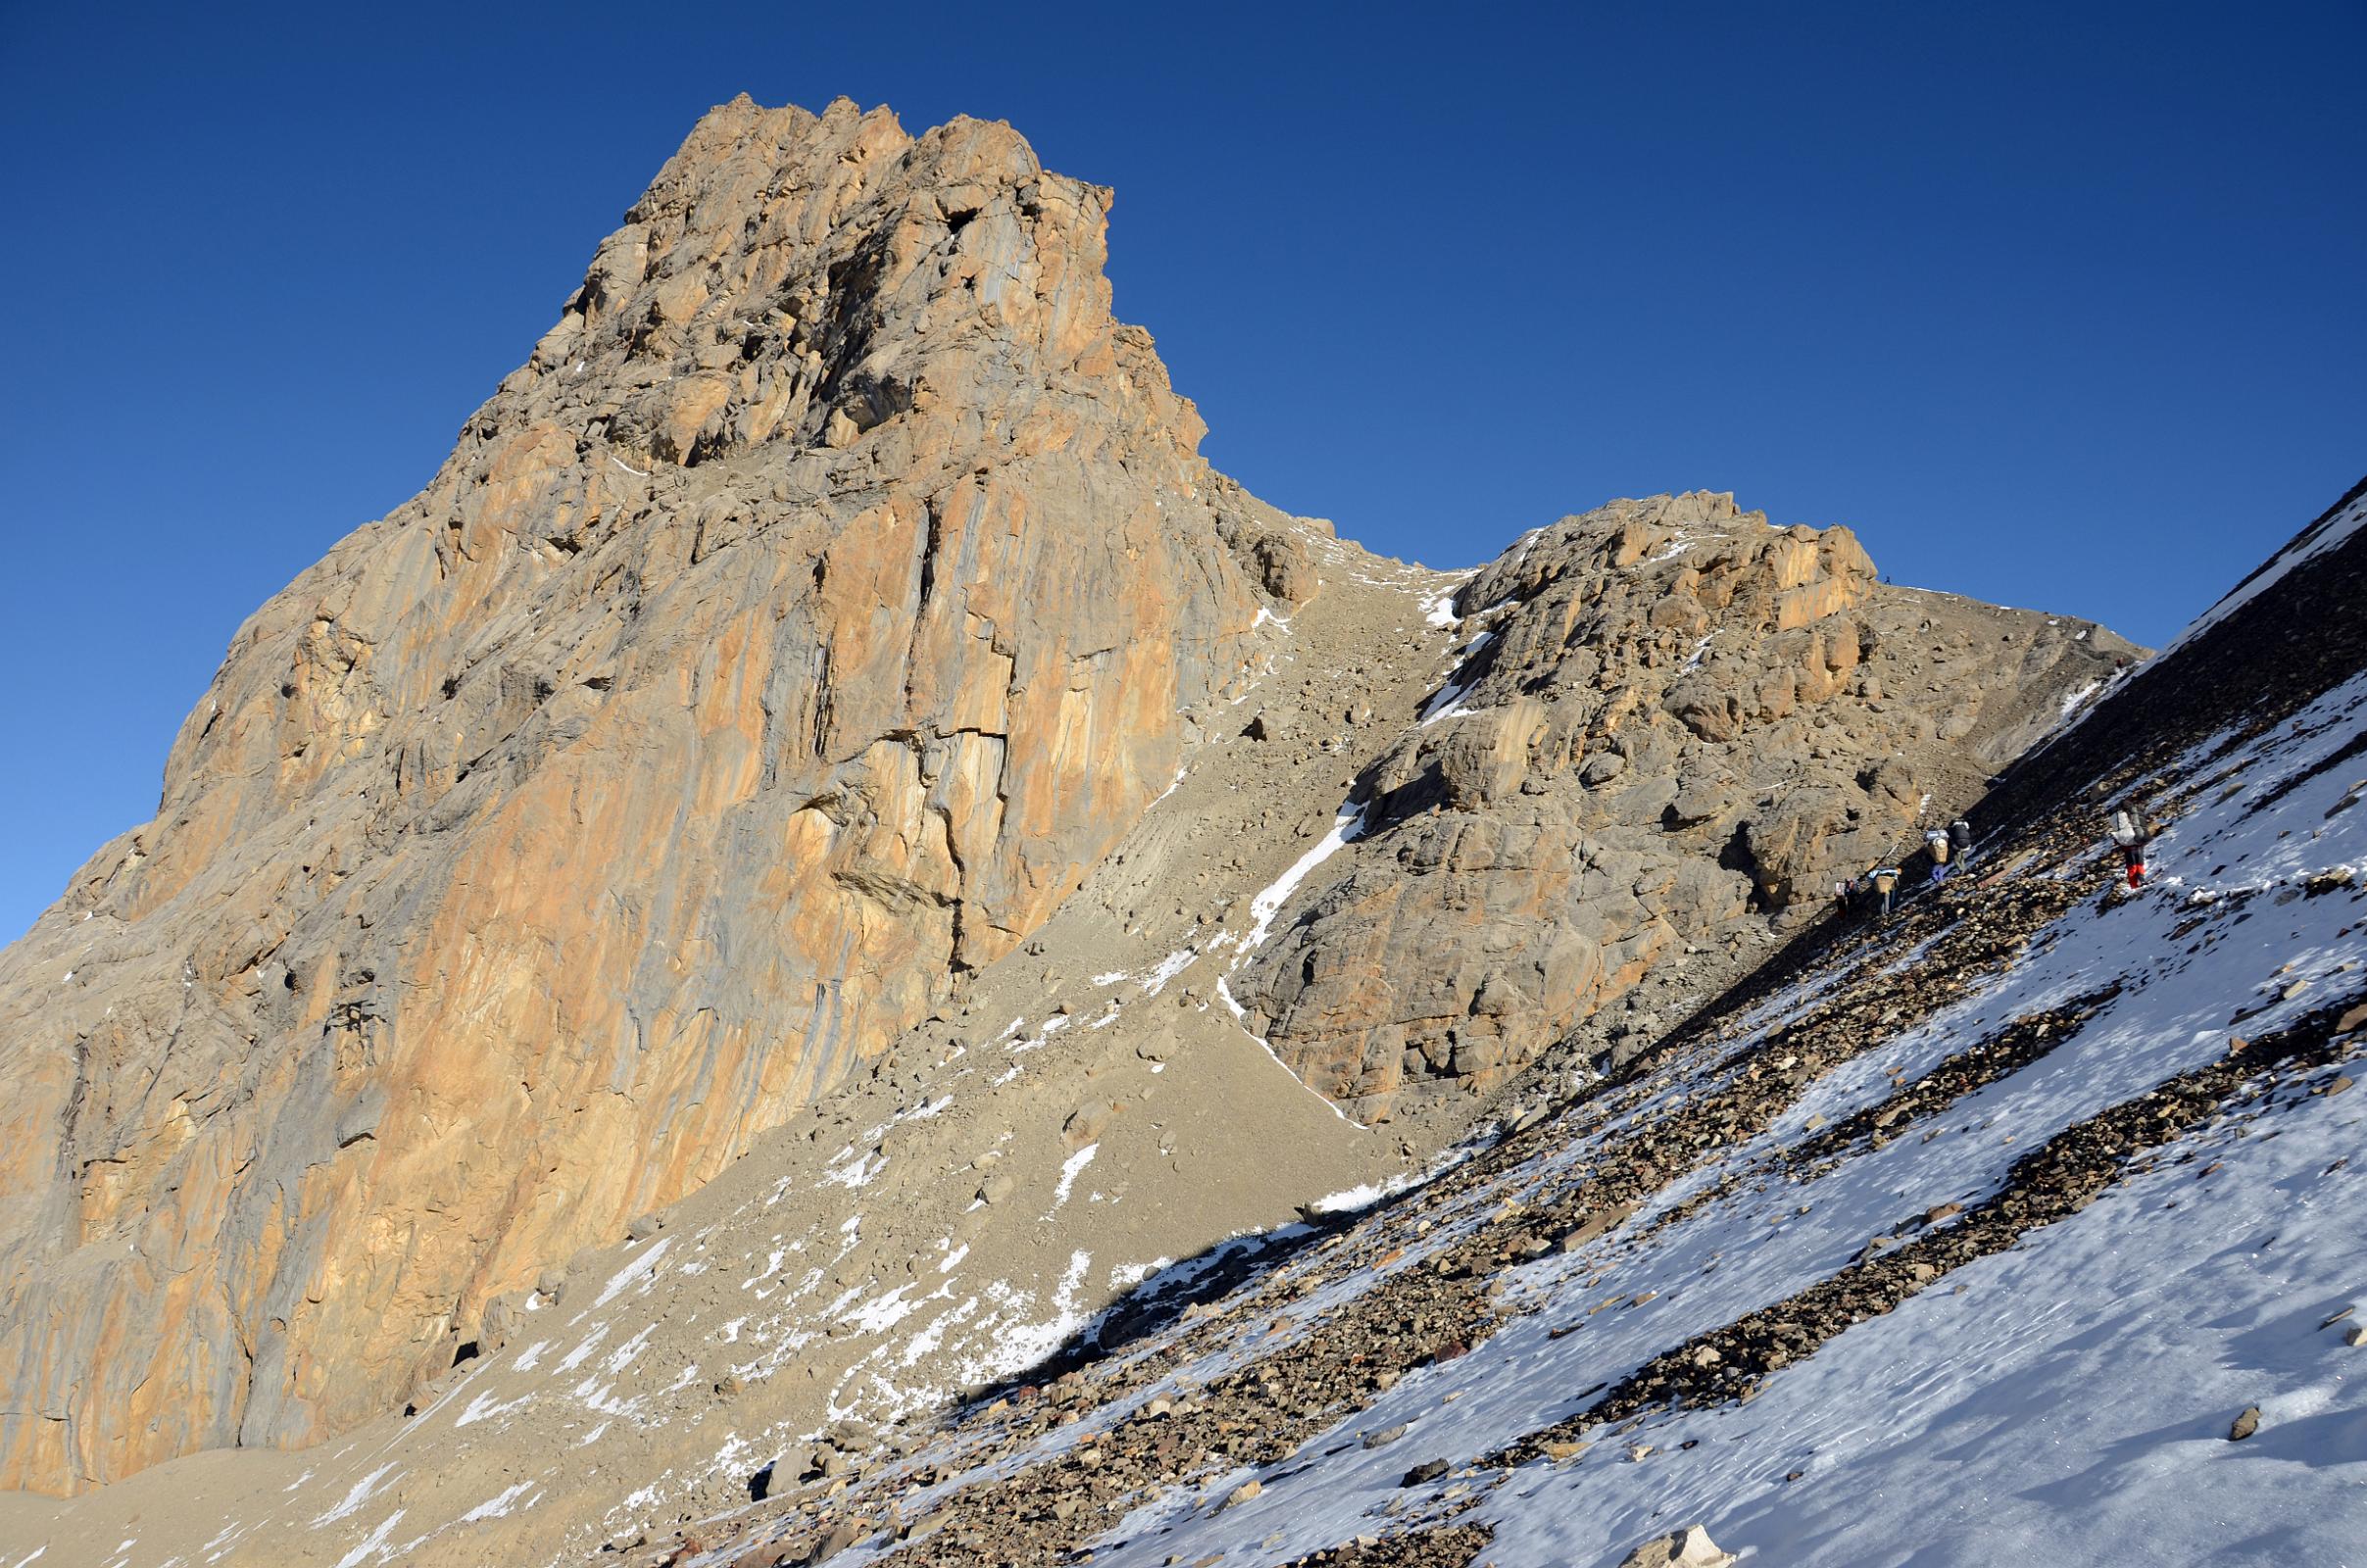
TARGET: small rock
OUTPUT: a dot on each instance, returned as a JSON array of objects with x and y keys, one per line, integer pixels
[
  {"x": 2246, "y": 1424},
  {"x": 841, "y": 1536},
  {"x": 2356, "y": 1333},
  {"x": 1943, "y": 1212},
  {"x": 1385, "y": 1436},
  {"x": 1688, "y": 1547},
  {"x": 1423, "y": 1474},
  {"x": 1243, "y": 1493},
  {"x": 1560, "y": 1450}
]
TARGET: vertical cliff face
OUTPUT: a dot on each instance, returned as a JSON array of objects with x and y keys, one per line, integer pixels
[{"x": 831, "y": 588}]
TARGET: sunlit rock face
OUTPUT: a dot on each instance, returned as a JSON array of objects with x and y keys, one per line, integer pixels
[
  {"x": 1670, "y": 728},
  {"x": 835, "y": 583}
]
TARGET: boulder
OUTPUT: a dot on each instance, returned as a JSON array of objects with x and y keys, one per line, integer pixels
[{"x": 1688, "y": 1547}]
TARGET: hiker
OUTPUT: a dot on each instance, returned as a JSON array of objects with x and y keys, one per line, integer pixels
[
  {"x": 1959, "y": 838},
  {"x": 1935, "y": 843},
  {"x": 1885, "y": 881},
  {"x": 2133, "y": 840},
  {"x": 1840, "y": 901}
]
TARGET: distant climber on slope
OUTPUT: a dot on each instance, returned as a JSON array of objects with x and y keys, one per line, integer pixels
[
  {"x": 2135, "y": 835},
  {"x": 1959, "y": 838},
  {"x": 1935, "y": 843},
  {"x": 1886, "y": 882}
]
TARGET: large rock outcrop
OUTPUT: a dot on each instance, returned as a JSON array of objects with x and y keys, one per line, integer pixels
[
  {"x": 1671, "y": 722},
  {"x": 830, "y": 589}
]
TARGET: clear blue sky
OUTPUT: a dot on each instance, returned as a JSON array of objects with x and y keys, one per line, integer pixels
[{"x": 2057, "y": 306}]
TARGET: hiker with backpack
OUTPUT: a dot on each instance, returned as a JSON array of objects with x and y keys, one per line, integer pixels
[
  {"x": 2135, "y": 835},
  {"x": 1885, "y": 881},
  {"x": 1959, "y": 838},
  {"x": 1935, "y": 843}
]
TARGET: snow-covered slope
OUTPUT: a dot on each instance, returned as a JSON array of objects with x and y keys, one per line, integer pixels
[{"x": 2070, "y": 1396}]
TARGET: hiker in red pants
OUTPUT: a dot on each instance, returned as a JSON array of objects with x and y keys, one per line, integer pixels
[{"x": 2134, "y": 841}]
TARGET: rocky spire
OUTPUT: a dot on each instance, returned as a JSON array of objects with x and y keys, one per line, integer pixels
[{"x": 830, "y": 588}]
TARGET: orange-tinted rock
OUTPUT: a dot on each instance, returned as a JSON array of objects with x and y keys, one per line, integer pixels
[{"x": 829, "y": 591}]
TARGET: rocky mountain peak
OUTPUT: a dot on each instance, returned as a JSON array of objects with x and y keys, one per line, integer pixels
[
  {"x": 825, "y": 711},
  {"x": 789, "y": 277},
  {"x": 780, "y": 643}
]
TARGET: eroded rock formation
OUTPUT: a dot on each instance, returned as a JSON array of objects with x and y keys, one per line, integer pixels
[
  {"x": 782, "y": 642},
  {"x": 1671, "y": 723}
]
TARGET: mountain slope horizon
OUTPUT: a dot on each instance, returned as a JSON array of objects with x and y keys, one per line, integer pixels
[{"x": 830, "y": 636}]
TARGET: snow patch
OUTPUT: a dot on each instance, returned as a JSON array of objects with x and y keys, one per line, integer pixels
[
  {"x": 363, "y": 1490},
  {"x": 489, "y": 1404},
  {"x": 1345, "y": 828},
  {"x": 1447, "y": 700},
  {"x": 375, "y": 1544},
  {"x": 575, "y": 1357},
  {"x": 1070, "y": 1169},
  {"x": 495, "y": 1506},
  {"x": 643, "y": 1267}
]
